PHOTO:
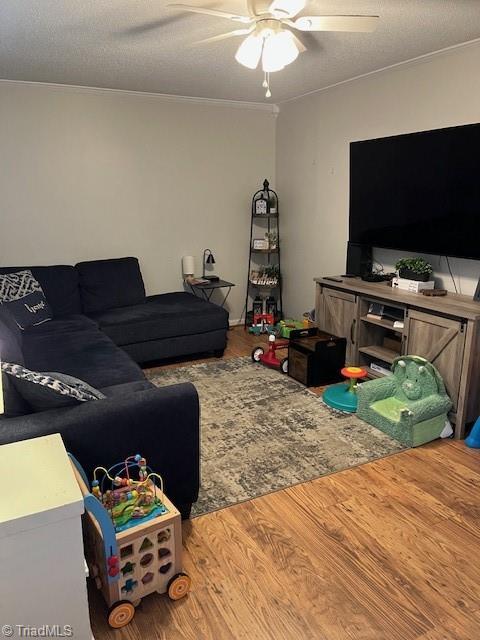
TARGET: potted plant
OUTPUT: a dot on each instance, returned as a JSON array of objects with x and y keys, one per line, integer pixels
[{"x": 414, "y": 269}]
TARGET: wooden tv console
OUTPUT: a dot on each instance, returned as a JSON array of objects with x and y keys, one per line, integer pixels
[{"x": 444, "y": 330}]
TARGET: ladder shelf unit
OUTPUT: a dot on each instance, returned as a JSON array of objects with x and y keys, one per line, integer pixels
[{"x": 264, "y": 274}]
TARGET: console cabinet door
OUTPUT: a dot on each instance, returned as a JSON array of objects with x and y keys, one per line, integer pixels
[
  {"x": 338, "y": 314},
  {"x": 441, "y": 342}
]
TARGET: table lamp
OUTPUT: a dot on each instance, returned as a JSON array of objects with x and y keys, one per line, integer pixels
[
  {"x": 188, "y": 267},
  {"x": 208, "y": 259}
]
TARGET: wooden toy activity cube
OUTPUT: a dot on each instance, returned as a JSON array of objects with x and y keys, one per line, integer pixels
[{"x": 130, "y": 558}]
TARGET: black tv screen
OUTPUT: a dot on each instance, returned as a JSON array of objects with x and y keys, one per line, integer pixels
[{"x": 418, "y": 192}]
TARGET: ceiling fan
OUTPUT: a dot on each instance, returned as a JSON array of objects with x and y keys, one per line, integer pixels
[{"x": 268, "y": 27}]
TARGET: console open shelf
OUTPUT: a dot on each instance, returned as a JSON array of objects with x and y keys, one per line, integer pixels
[
  {"x": 380, "y": 353},
  {"x": 387, "y": 324}
]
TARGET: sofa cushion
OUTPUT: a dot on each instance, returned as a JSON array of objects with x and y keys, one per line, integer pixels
[
  {"x": 109, "y": 284},
  {"x": 60, "y": 286},
  {"x": 11, "y": 338},
  {"x": 11, "y": 350},
  {"x": 122, "y": 390},
  {"x": 162, "y": 316},
  {"x": 67, "y": 324},
  {"x": 49, "y": 390},
  {"x": 87, "y": 354}
]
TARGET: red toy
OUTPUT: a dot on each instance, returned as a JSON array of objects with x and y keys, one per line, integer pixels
[
  {"x": 262, "y": 323},
  {"x": 270, "y": 358}
]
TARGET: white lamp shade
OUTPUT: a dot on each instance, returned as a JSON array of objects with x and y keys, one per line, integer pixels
[
  {"x": 249, "y": 52},
  {"x": 279, "y": 50},
  {"x": 188, "y": 265}
]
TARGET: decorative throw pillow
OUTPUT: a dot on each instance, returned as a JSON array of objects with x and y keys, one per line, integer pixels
[
  {"x": 23, "y": 296},
  {"x": 49, "y": 390}
]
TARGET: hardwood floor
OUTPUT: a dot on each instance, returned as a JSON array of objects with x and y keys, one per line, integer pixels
[{"x": 385, "y": 551}]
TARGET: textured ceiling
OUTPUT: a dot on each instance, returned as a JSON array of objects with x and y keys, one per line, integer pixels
[{"x": 140, "y": 45}]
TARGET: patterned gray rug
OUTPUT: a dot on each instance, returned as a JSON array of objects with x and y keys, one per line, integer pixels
[{"x": 262, "y": 431}]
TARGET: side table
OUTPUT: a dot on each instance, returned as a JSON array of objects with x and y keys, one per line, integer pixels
[{"x": 206, "y": 289}]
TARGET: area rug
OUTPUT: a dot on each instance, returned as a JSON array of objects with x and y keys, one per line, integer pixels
[{"x": 262, "y": 431}]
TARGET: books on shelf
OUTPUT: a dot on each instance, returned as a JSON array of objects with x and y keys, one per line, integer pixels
[
  {"x": 379, "y": 369},
  {"x": 194, "y": 281},
  {"x": 377, "y": 311}
]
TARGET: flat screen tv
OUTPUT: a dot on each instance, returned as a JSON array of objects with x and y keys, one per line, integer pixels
[{"x": 418, "y": 192}]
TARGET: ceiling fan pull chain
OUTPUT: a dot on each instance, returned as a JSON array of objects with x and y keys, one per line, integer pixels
[
  {"x": 265, "y": 83},
  {"x": 268, "y": 93}
]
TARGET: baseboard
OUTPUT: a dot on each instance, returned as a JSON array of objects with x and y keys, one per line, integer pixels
[{"x": 235, "y": 322}]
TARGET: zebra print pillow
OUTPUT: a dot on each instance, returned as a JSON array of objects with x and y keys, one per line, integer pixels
[
  {"x": 23, "y": 296},
  {"x": 45, "y": 391}
]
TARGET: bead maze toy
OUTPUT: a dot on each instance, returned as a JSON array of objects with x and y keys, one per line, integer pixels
[
  {"x": 133, "y": 537},
  {"x": 343, "y": 396},
  {"x": 129, "y": 500}
]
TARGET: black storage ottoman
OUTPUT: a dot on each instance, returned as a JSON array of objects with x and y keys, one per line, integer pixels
[{"x": 315, "y": 357}]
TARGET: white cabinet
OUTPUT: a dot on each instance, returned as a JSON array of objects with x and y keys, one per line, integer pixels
[{"x": 42, "y": 581}]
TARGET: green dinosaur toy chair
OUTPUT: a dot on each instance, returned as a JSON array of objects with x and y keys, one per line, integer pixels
[{"x": 411, "y": 404}]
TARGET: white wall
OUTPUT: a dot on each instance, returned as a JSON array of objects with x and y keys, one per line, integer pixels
[
  {"x": 313, "y": 136},
  {"x": 96, "y": 174}
]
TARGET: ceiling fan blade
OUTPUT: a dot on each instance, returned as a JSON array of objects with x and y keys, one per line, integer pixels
[
  {"x": 300, "y": 46},
  {"x": 286, "y": 8},
  {"x": 224, "y": 36},
  {"x": 336, "y": 23},
  {"x": 211, "y": 12}
]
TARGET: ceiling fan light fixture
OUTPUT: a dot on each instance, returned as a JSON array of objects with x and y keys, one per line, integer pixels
[
  {"x": 249, "y": 52},
  {"x": 278, "y": 51}
]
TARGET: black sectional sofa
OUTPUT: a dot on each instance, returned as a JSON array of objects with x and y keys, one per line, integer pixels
[{"x": 102, "y": 323}]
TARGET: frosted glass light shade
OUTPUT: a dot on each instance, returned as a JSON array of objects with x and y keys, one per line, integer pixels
[
  {"x": 249, "y": 52},
  {"x": 278, "y": 51}
]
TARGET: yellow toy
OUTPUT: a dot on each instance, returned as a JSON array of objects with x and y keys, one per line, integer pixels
[{"x": 133, "y": 538}]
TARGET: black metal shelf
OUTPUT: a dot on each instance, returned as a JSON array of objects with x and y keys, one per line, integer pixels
[{"x": 272, "y": 226}]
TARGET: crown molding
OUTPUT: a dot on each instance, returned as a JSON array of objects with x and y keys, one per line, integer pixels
[
  {"x": 404, "y": 63},
  {"x": 161, "y": 97}
]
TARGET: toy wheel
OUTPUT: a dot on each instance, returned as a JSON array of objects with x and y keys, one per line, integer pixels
[
  {"x": 284, "y": 365},
  {"x": 178, "y": 586},
  {"x": 256, "y": 353},
  {"x": 120, "y": 614}
]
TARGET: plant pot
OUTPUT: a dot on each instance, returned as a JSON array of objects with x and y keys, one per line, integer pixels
[{"x": 408, "y": 274}]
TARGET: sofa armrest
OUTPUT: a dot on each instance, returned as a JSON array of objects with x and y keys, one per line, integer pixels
[
  {"x": 374, "y": 390},
  {"x": 161, "y": 424}
]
